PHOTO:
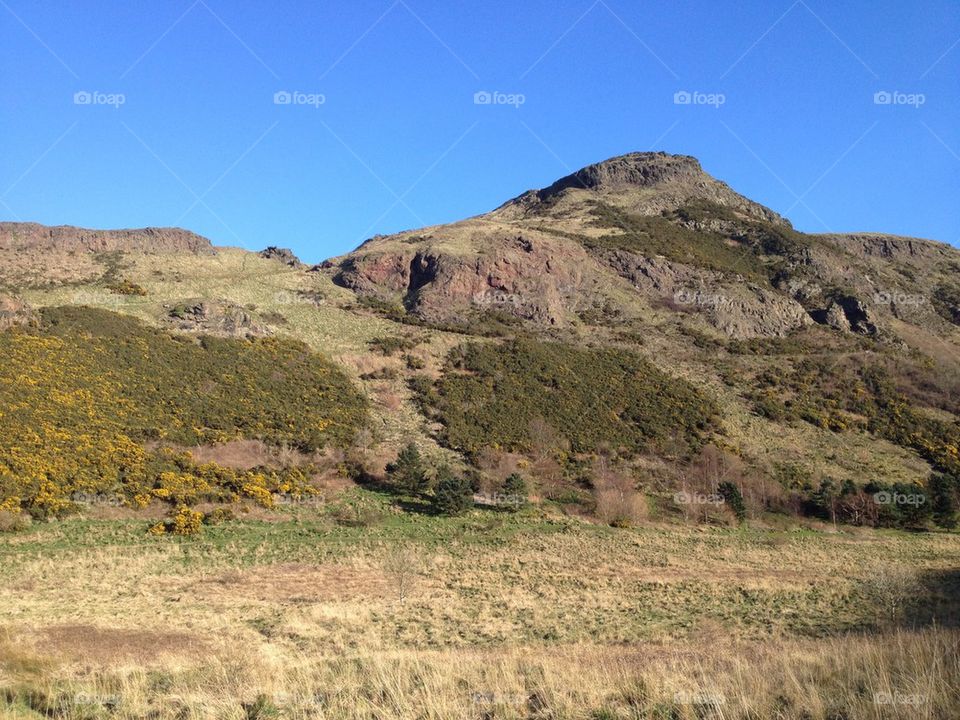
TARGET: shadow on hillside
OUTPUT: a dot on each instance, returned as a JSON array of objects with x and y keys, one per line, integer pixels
[{"x": 937, "y": 601}]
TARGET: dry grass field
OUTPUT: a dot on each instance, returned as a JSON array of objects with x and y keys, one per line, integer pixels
[{"x": 491, "y": 615}]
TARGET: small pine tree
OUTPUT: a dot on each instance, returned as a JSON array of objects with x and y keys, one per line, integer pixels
[
  {"x": 514, "y": 489},
  {"x": 453, "y": 495},
  {"x": 408, "y": 472},
  {"x": 943, "y": 492},
  {"x": 734, "y": 499}
]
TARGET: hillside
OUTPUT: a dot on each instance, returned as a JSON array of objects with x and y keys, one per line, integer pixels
[
  {"x": 807, "y": 358},
  {"x": 627, "y": 446}
]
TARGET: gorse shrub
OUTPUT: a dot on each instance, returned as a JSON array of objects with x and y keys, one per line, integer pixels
[
  {"x": 492, "y": 395},
  {"x": 81, "y": 394}
]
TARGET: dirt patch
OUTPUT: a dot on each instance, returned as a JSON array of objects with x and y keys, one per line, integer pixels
[
  {"x": 294, "y": 582},
  {"x": 108, "y": 645}
]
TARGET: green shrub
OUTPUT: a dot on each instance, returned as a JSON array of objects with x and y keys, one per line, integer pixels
[
  {"x": 453, "y": 495},
  {"x": 492, "y": 395}
]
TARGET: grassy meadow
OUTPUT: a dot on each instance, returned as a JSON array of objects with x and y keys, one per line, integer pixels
[{"x": 299, "y": 613}]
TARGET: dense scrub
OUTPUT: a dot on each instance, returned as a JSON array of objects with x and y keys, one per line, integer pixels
[
  {"x": 81, "y": 394},
  {"x": 492, "y": 394},
  {"x": 700, "y": 234},
  {"x": 855, "y": 394}
]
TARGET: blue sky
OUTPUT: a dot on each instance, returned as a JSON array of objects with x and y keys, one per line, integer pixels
[{"x": 176, "y": 121}]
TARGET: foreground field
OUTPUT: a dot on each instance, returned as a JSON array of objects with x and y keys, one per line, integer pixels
[{"x": 491, "y": 615}]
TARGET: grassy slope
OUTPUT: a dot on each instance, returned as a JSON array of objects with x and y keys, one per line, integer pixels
[{"x": 301, "y": 607}]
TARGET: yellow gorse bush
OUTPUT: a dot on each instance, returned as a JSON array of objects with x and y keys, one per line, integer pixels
[{"x": 81, "y": 395}]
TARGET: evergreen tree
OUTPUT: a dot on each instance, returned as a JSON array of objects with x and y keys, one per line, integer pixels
[
  {"x": 734, "y": 499},
  {"x": 452, "y": 495},
  {"x": 408, "y": 472},
  {"x": 514, "y": 489},
  {"x": 943, "y": 494}
]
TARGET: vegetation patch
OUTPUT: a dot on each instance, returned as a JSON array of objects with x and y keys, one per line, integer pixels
[
  {"x": 81, "y": 394},
  {"x": 491, "y": 394}
]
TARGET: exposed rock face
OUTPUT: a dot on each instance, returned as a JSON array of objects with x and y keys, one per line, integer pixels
[
  {"x": 284, "y": 255},
  {"x": 540, "y": 280},
  {"x": 215, "y": 318},
  {"x": 740, "y": 309},
  {"x": 547, "y": 256},
  {"x": 32, "y": 236},
  {"x": 848, "y": 314}
]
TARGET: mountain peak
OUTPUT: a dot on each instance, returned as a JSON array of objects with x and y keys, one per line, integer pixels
[
  {"x": 647, "y": 183},
  {"x": 636, "y": 169}
]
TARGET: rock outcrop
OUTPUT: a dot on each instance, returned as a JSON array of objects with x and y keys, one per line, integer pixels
[
  {"x": 651, "y": 230},
  {"x": 36, "y": 237}
]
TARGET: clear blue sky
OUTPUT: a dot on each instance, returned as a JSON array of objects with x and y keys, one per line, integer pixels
[{"x": 398, "y": 140}]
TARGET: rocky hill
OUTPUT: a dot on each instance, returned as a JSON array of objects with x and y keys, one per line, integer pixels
[
  {"x": 636, "y": 312},
  {"x": 648, "y": 229},
  {"x": 33, "y": 236}
]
